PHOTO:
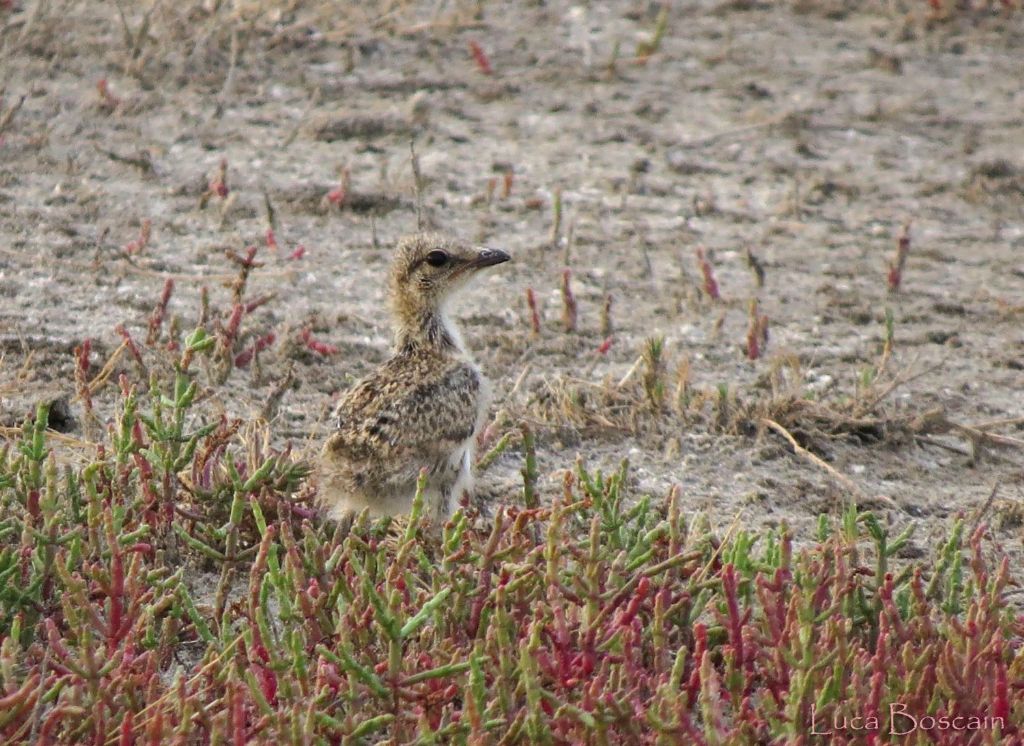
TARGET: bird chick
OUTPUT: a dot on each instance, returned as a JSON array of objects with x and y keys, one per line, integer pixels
[{"x": 421, "y": 408}]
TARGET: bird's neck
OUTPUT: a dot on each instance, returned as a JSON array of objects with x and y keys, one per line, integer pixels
[{"x": 430, "y": 329}]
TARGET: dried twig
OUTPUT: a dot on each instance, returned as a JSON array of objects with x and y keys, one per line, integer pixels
[
  {"x": 831, "y": 470},
  {"x": 8, "y": 116}
]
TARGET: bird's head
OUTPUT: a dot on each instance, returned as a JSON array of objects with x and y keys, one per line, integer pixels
[{"x": 428, "y": 271}]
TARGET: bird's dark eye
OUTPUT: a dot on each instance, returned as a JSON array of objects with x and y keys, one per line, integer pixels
[{"x": 437, "y": 258}]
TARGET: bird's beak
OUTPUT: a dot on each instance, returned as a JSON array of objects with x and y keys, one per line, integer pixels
[{"x": 488, "y": 258}]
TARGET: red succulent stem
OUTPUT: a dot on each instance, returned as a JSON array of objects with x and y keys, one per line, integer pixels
[
  {"x": 238, "y": 716},
  {"x": 320, "y": 348},
  {"x": 156, "y": 320},
  {"x": 729, "y": 588},
  {"x": 700, "y": 646},
  {"x": 1001, "y": 705},
  {"x": 132, "y": 347},
  {"x": 531, "y": 302},
  {"x": 480, "y": 58},
  {"x": 708, "y": 273},
  {"x": 114, "y": 629},
  {"x": 570, "y": 310},
  {"x": 127, "y": 729}
]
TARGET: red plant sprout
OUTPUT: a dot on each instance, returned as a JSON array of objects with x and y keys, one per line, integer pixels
[
  {"x": 531, "y": 302},
  {"x": 271, "y": 239},
  {"x": 236, "y": 701},
  {"x": 897, "y": 265},
  {"x": 1001, "y": 705},
  {"x": 82, "y": 365},
  {"x": 700, "y": 635},
  {"x": 757, "y": 332},
  {"x": 217, "y": 186},
  {"x": 137, "y": 245},
  {"x": 132, "y": 347},
  {"x": 156, "y": 320},
  {"x": 708, "y": 273},
  {"x": 298, "y": 253},
  {"x": 127, "y": 736},
  {"x": 261, "y": 301},
  {"x": 480, "y": 58},
  {"x": 605, "y": 346},
  {"x": 569, "y": 307},
  {"x": 234, "y": 323},
  {"x": 339, "y": 195},
  {"x": 116, "y": 627},
  {"x": 245, "y": 357},
  {"x": 246, "y": 264},
  {"x": 320, "y": 348},
  {"x": 108, "y": 101}
]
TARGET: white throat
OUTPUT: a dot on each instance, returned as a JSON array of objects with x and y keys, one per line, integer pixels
[{"x": 452, "y": 329}]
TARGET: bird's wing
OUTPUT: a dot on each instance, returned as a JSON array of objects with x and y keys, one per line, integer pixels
[{"x": 419, "y": 417}]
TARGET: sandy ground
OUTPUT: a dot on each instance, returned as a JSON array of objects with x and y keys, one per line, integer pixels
[{"x": 808, "y": 133}]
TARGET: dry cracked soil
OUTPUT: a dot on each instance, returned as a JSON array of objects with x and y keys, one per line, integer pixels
[{"x": 614, "y": 139}]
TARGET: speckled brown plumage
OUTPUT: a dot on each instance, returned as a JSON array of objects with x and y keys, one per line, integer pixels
[{"x": 424, "y": 406}]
